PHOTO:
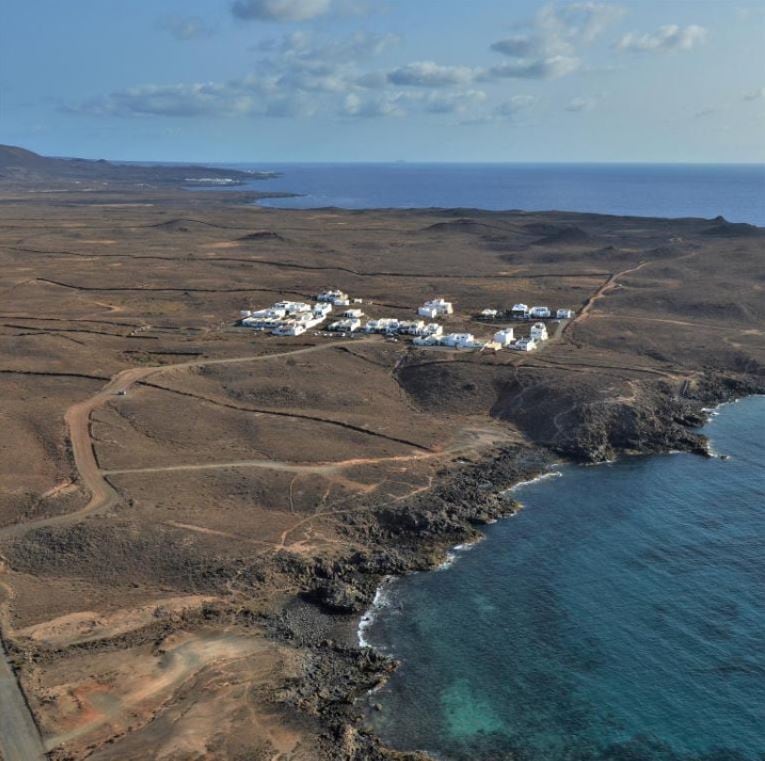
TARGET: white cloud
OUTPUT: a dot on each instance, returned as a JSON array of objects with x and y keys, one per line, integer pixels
[
  {"x": 280, "y": 10},
  {"x": 387, "y": 104},
  {"x": 534, "y": 68},
  {"x": 758, "y": 94},
  {"x": 549, "y": 46},
  {"x": 430, "y": 74},
  {"x": 576, "y": 105},
  {"x": 515, "y": 105},
  {"x": 666, "y": 39}
]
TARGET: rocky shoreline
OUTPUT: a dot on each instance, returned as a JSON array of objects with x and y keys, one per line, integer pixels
[{"x": 338, "y": 672}]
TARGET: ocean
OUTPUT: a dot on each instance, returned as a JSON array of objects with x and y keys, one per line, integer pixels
[
  {"x": 736, "y": 192},
  {"x": 619, "y": 615}
]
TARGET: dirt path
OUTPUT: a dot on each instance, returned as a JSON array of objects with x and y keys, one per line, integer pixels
[{"x": 609, "y": 285}]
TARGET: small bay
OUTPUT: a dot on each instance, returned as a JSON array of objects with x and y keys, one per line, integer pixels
[{"x": 620, "y": 615}]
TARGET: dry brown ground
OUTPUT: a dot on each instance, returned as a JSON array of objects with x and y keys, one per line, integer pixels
[{"x": 214, "y": 468}]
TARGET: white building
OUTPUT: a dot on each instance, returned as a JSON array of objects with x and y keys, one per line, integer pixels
[
  {"x": 383, "y": 325},
  {"x": 460, "y": 341},
  {"x": 433, "y": 329},
  {"x": 520, "y": 311},
  {"x": 537, "y": 313},
  {"x": 412, "y": 327},
  {"x": 345, "y": 326},
  {"x": 353, "y": 314},
  {"x": 292, "y": 307},
  {"x": 436, "y": 308},
  {"x": 504, "y": 337},
  {"x": 525, "y": 344},
  {"x": 539, "y": 331},
  {"x": 322, "y": 310},
  {"x": 290, "y": 329},
  {"x": 338, "y": 298},
  {"x": 489, "y": 314},
  {"x": 426, "y": 341},
  {"x": 564, "y": 314}
]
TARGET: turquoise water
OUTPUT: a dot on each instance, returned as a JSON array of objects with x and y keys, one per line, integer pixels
[{"x": 621, "y": 615}]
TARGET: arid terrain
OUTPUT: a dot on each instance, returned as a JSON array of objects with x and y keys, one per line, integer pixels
[{"x": 194, "y": 515}]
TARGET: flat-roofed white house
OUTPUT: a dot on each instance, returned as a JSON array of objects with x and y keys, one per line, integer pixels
[
  {"x": 345, "y": 326},
  {"x": 489, "y": 314},
  {"x": 322, "y": 309},
  {"x": 460, "y": 341},
  {"x": 520, "y": 311},
  {"x": 537, "y": 313},
  {"x": 504, "y": 337},
  {"x": 525, "y": 344},
  {"x": 433, "y": 329},
  {"x": 353, "y": 314},
  {"x": 426, "y": 341},
  {"x": 564, "y": 314},
  {"x": 382, "y": 325},
  {"x": 436, "y": 308},
  {"x": 334, "y": 297},
  {"x": 539, "y": 331}
]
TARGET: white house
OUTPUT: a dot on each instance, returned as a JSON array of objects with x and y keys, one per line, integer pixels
[
  {"x": 520, "y": 311},
  {"x": 334, "y": 297},
  {"x": 537, "y": 313},
  {"x": 412, "y": 327},
  {"x": 525, "y": 344},
  {"x": 564, "y": 314},
  {"x": 489, "y": 314},
  {"x": 436, "y": 308},
  {"x": 345, "y": 326},
  {"x": 539, "y": 331},
  {"x": 460, "y": 341},
  {"x": 504, "y": 337},
  {"x": 322, "y": 309},
  {"x": 433, "y": 329},
  {"x": 427, "y": 311},
  {"x": 382, "y": 325},
  {"x": 426, "y": 341},
  {"x": 290, "y": 329},
  {"x": 353, "y": 314}
]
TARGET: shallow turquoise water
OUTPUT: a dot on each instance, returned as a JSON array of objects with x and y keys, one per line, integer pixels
[{"x": 621, "y": 615}]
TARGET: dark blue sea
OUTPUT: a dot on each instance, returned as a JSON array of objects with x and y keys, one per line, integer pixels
[
  {"x": 619, "y": 615},
  {"x": 735, "y": 191}
]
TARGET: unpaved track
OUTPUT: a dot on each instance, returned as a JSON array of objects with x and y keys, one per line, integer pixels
[
  {"x": 19, "y": 736},
  {"x": 102, "y": 495}
]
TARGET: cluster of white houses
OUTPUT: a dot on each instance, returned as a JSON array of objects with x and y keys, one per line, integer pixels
[
  {"x": 503, "y": 339},
  {"x": 293, "y": 318},
  {"x": 525, "y": 312}
]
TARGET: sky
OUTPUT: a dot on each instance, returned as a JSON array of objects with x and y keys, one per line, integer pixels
[{"x": 385, "y": 80}]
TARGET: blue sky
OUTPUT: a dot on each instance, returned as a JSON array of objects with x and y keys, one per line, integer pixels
[{"x": 381, "y": 80}]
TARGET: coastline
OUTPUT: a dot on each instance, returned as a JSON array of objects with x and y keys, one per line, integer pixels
[{"x": 444, "y": 556}]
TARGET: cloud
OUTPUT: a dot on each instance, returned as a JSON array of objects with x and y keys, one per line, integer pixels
[
  {"x": 515, "y": 105},
  {"x": 575, "y": 105},
  {"x": 376, "y": 106},
  {"x": 705, "y": 112},
  {"x": 553, "y": 67},
  {"x": 280, "y": 10},
  {"x": 549, "y": 46},
  {"x": 430, "y": 74},
  {"x": 755, "y": 94},
  {"x": 186, "y": 28},
  {"x": 666, "y": 39}
]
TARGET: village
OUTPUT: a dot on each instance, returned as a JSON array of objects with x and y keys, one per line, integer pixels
[{"x": 294, "y": 318}]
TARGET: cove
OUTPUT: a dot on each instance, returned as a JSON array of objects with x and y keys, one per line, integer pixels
[{"x": 619, "y": 615}]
